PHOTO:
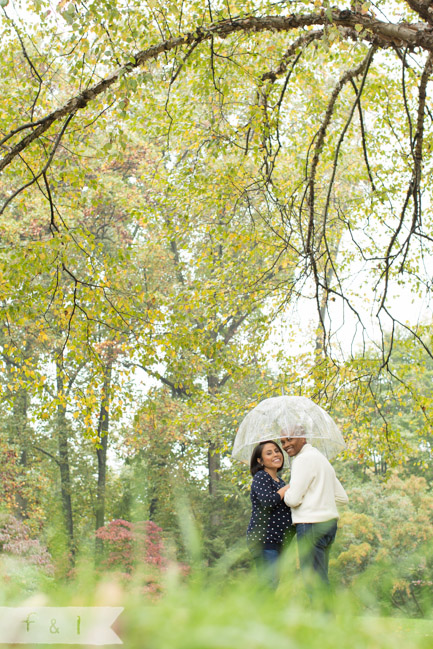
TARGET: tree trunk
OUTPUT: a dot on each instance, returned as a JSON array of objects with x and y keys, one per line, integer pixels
[
  {"x": 19, "y": 434},
  {"x": 214, "y": 465},
  {"x": 101, "y": 454},
  {"x": 63, "y": 461}
]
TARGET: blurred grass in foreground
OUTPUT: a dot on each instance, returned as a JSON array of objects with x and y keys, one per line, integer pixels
[
  {"x": 222, "y": 608},
  {"x": 226, "y": 606}
]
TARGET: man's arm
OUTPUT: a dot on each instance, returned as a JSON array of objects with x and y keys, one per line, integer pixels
[
  {"x": 302, "y": 475},
  {"x": 339, "y": 493}
]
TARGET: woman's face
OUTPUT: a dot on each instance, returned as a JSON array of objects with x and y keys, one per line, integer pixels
[{"x": 272, "y": 456}]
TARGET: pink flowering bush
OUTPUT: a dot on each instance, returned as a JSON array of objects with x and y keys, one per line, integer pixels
[
  {"x": 131, "y": 545},
  {"x": 15, "y": 542}
]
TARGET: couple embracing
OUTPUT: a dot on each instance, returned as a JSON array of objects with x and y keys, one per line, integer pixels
[{"x": 306, "y": 507}]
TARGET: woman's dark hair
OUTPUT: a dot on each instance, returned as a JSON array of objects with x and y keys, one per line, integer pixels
[{"x": 255, "y": 467}]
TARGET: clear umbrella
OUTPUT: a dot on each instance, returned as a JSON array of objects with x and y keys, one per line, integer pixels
[{"x": 286, "y": 416}]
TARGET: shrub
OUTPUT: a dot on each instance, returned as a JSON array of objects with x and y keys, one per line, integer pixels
[
  {"x": 15, "y": 541},
  {"x": 130, "y": 545}
]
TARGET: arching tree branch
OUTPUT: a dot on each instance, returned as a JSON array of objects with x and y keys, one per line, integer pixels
[{"x": 386, "y": 34}]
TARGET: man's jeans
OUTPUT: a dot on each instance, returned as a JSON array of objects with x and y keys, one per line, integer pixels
[{"x": 314, "y": 544}]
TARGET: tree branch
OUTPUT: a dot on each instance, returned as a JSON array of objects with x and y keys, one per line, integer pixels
[
  {"x": 43, "y": 170},
  {"x": 386, "y": 34},
  {"x": 414, "y": 185}
]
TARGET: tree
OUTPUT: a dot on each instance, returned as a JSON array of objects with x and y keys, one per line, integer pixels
[
  {"x": 167, "y": 205},
  {"x": 390, "y": 410},
  {"x": 384, "y": 542},
  {"x": 210, "y": 48}
]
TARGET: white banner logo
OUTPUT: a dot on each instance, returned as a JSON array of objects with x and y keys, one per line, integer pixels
[{"x": 59, "y": 625}]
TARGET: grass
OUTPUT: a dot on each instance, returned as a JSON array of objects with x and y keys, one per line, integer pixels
[
  {"x": 227, "y": 608},
  {"x": 238, "y": 614}
]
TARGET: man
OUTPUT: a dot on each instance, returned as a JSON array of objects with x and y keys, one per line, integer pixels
[{"x": 312, "y": 496}]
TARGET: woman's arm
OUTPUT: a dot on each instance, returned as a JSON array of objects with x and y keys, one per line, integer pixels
[
  {"x": 262, "y": 489},
  {"x": 283, "y": 490}
]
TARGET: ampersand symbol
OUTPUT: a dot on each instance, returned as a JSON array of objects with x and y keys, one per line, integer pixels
[{"x": 53, "y": 627}]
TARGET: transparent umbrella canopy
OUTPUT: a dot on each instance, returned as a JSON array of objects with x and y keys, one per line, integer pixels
[{"x": 287, "y": 416}]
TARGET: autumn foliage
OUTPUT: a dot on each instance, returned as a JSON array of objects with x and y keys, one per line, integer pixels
[
  {"x": 385, "y": 541},
  {"x": 131, "y": 545},
  {"x": 15, "y": 541}
]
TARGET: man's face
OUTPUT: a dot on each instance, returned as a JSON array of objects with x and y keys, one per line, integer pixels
[{"x": 292, "y": 445}]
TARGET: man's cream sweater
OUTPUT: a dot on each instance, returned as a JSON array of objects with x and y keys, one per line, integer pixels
[{"x": 314, "y": 488}]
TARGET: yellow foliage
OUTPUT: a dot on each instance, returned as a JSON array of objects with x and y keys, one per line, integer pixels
[{"x": 356, "y": 556}]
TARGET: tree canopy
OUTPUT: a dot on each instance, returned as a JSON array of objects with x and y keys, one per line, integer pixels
[{"x": 289, "y": 97}]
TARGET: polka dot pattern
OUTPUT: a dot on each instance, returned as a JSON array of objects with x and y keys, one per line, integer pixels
[{"x": 270, "y": 516}]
